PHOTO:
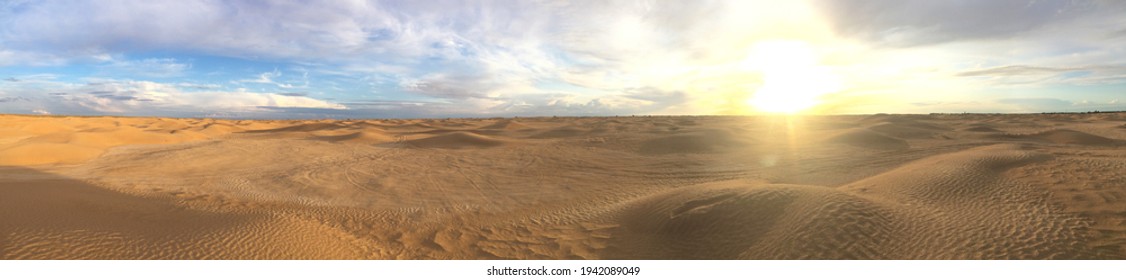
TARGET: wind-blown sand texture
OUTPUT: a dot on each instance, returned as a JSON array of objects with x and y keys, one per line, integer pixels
[{"x": 817, "y": 187}]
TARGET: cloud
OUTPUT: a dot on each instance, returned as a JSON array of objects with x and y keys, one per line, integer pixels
[
  {"x": 628, "y": 101},
  {"x": 197, "y": 86},
  {"x": 32, "y": 78},
  {"x": 10, "y": 57},
  {"x": 149, "y": 67},
  {"x": 1039, "y": 75},
  {"x": 900, "y": 23},
  {"x": 324, "y": 29},
  {"x": 534, "y": 57},
  {"x": 1017, "y": 70},
  {"x": 8, "y": 99},
  {"x": 271, "y": 78},
  {"x": 479, "y": 54},
  {"x": 1036, "y": 104},
  {"x": 456, "y": 87},
  {"x": 1012, "y": 105},
  {"x": 150, "y": 98}
]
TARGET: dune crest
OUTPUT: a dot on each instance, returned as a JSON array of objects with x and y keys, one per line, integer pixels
[
  {"x": 358, "y": 137},
  {"x": 865, "y": 138},
  {"x": 40, "y": 141},
  {"x": 707, "y": 141},
  {"x": 456, "y": 140},
  {"x": 507, "y": 125},
  {"x": 1067, "y": 136}
]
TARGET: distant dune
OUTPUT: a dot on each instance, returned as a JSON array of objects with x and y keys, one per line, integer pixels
[{"x": 814, "y": 187}]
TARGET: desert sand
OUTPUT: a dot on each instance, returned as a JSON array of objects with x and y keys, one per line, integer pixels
[{"x": 976, "y": 186}]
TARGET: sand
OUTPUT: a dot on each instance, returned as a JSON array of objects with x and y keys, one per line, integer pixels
[{"x": 814, "y": 187}]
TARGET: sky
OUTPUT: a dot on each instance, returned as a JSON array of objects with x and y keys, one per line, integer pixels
[{"x": 432, "y": 59}]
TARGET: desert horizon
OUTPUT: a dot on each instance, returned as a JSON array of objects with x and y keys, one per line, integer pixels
[
  {"x": 621, "y": 133},
  {"x": 880, "y": 186}
]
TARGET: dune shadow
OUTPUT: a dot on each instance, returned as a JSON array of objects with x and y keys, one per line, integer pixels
[{"x": 48, "y": 216}]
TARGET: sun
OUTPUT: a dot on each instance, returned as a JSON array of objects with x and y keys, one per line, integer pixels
[{"x": 792, "y": 79}]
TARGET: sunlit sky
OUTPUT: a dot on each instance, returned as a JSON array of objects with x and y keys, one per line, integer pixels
[{"x": 409, "y": 59}]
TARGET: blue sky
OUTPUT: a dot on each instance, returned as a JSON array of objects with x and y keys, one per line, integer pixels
[{"x": 408, "y": 59}]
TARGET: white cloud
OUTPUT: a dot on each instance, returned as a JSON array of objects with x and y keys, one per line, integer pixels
[
  {"x": 491, "y": 52},
  {"x": 328, "y": 29},
  {"x": 523, "y": 56},
  {"x": 269, "y": 79},
  {"x": 31, "y": 58},
  {"x": 900, "y": 23},
  {"x": 148, "y": 98},
  {"x": 149, "y": 67}
]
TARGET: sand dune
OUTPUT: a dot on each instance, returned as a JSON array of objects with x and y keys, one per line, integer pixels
[
  {"x": 980, "y": 128},
  {"x": 561, "y": 132},
  {"x": 214, "y": 129},
  {"x": 705, "y": 141},
  {"x": 818, "y": 187},
  {"x": 302, "y": 128},
  {"x": 927, "y": 209},
  {"x": 1064, "y": 136},
  {"x": 866, "y": 138},
  {"x": 507, "y": 125},
  {"x": 73, "y": 220},
  {"x": 47, "y": 153},
  {"x": 358, "y": 137},
  {"x": 910, "y": 130},
  {"x": 456, "y": 140},
  {"x": 35, "y": 141}
]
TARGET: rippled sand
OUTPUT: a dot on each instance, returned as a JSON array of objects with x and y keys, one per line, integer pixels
[{"x": 817, "y": 187}]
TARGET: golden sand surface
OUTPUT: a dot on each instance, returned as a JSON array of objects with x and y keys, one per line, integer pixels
[{"x": 976, "y": 186}]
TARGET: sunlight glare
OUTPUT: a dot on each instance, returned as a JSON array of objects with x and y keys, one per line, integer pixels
[{"x": 792, "y": 79}]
